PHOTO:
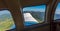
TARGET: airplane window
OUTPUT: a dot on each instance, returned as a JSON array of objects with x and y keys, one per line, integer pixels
[
  {"x": 34, "y": 14},
  {"x": 57, "y": 12},
  {"x": 6, "y": 21}
]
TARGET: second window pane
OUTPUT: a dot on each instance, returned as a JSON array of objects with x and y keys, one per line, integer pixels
[{"x": 34, "y": 14}]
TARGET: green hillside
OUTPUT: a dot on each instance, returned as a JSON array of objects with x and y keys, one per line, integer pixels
[{"x": 6, "y": 22}]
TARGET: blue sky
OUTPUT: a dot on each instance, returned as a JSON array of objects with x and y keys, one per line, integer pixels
[{"x": 40, "y": 8}]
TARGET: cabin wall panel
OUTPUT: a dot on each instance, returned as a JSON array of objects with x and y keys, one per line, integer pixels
[
  {"x": 32, "y": 2},
  {"x": 2, "y": 4},
  {"x": 45, "y": 28}
]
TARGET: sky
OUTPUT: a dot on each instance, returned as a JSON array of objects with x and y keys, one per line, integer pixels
[
  {"x": 4, "y": 12},
  {"x": 58, "y": 9},
  {"x": 40, "y": 8}
]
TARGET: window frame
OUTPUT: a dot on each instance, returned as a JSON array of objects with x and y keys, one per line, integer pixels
[
  {"x": 52, "y": 24},
  {"x": 41, "y": 3}
]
